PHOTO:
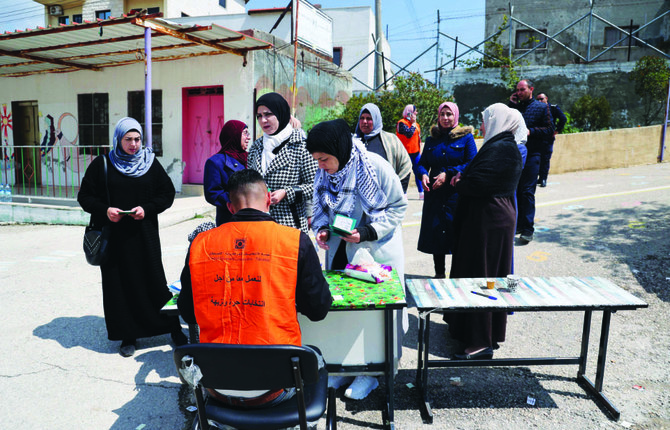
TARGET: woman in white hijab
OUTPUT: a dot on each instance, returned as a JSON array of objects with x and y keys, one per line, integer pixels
[{"x": 484, "y": 226}]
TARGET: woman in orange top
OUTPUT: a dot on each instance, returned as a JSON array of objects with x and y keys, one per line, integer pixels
[{"x": 409, "y": 133}]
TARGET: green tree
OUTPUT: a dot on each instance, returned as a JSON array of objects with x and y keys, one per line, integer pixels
[
  {"x": 591, "y": 114},
  {"x": 570, "y": 126},
  {"x": 651, "y": 75},
  {"x": 410, "y": 89}
]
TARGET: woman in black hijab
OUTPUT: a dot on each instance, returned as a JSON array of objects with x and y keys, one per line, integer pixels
[{"x": 280, "y": 156}]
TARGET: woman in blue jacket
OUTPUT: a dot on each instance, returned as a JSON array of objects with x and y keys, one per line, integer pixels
[
  {"x": 447, "y": 151},
  {"x": 234, "y": 138}
]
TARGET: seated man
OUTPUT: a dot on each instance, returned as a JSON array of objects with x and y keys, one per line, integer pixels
[{"x": 245, "y": 281}]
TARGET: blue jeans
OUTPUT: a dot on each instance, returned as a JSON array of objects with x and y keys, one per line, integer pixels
[
  {"x": 415, "y": 161},
  {"x": 526, "y": 195},
  {"x": 544, "y": 161}
]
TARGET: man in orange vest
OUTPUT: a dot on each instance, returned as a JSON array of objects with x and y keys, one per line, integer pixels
[{"x": 245, "y": 281}]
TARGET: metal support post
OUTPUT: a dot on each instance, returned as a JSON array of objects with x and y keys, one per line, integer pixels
[
  {"x": 665, "y": 126},
  {"x": 148, "y": 134}
]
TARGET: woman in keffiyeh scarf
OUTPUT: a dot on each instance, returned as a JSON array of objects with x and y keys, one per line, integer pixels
[{"x": 360, "y": 185}]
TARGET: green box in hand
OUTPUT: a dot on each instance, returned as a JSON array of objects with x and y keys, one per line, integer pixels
[{"x": 343, "y": 225}]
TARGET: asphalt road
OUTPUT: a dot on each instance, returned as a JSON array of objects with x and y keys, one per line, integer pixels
[{"x": 61, "y": 372}]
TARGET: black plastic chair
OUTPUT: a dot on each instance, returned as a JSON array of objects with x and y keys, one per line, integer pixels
[{"x": 260, "y": 367}]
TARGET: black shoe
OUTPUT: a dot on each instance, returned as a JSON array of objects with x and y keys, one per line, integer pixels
[
  {"x": 484, "y": 354},
  {"x": 526, "y": 237},
  {"x": 440, "y": 276},
  {"x": 179, "y": 338},
  {"x": 543, "y": 183},
  {"x": 127, "y": 348}
]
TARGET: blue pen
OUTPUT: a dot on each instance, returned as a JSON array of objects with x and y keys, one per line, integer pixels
[{"x": 484, "y": 295}]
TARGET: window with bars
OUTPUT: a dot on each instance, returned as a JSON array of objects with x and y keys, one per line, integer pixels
[
  {"x": 77, "y": 17},
  {"x": 136, "y": 110},
  {"x": 63, "y": 20},
  {"x": 93, "y": 114},
  {"x": 528, "y": 39}
]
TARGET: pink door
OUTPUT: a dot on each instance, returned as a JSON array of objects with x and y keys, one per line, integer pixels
[{"x": 202, "y": 123}]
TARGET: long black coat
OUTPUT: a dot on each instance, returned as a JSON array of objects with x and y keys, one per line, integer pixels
[
  {"x": 133, "y": 280},
  {"x": 484, "y": 233}
]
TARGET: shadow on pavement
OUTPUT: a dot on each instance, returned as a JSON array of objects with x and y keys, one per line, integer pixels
[
  {"x": 636, "y": 237},
  {"x": 87, "y": 332},
  {"x": 151, "y": 397}
]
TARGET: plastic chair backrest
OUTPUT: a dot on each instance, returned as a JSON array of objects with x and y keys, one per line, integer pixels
[{"x": 249, "y": 367}]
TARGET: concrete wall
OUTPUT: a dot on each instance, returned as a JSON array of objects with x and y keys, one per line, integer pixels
[
  {"x": 475, "y": 90},
  {"x": 607, "y": 149},
  {"x": 554, "y": 16},
  {"x": 596, "y": 150},
  {"x": 323, "y": 88}
]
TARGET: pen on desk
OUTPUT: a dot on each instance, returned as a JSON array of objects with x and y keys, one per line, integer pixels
[{"x": 484, "y": 295}]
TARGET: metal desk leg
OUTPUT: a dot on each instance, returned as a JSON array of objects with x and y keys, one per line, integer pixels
[
  {"x": 586, "y": 332},
  {"x": 602, "y": 350},
  {"x": 597, "y": 388},
  {"x": 420, "y": 363},
  {"x": 428, "y": 411},
  {"x": 390, "y": 377}
]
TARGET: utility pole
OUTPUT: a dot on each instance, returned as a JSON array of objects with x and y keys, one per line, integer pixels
[
  {"x": 294, "y": 89},
  {"x": 379, "y": 76},
  {"x": 437, "y": 50}
]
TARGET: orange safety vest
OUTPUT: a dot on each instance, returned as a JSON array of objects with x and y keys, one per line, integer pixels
[
  {"x": 411, "y": 144},
  {"x": 244, "y": 276}
]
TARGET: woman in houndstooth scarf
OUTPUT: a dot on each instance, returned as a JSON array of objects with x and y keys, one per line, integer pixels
[{"x": 280, "y": 156}]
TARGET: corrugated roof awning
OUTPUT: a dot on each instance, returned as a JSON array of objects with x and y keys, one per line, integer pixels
[{"x": 114, "y": 42}]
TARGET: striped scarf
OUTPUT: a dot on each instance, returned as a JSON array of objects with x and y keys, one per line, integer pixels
[{"x": 338, "y": 193}]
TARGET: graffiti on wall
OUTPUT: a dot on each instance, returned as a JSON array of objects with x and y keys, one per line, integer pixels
[
  {"x": 55, "y": 133},
  {"x": 322, "y": 89},
  {"x": 311, "y": 107},
  {"x": 5, "y": 126}
]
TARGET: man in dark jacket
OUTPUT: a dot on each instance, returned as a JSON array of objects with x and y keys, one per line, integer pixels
[
  {"x": 540, "y": 131},
  {"x": 559, "y": 120}
]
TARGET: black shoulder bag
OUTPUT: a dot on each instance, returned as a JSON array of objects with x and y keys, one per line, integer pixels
[{"x": 96, "y": 239}]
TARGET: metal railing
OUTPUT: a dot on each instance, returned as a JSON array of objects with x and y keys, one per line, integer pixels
[{"x": 55, "y": 172}]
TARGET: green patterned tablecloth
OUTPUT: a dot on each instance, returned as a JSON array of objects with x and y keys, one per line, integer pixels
[
  {"x": 348, "y": 293},
  {"x": 352, "y": 293}
]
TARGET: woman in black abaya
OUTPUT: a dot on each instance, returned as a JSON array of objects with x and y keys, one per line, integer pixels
[
  {"x": 484, "y": 225},
  {"x": 134, "y": 287}
]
